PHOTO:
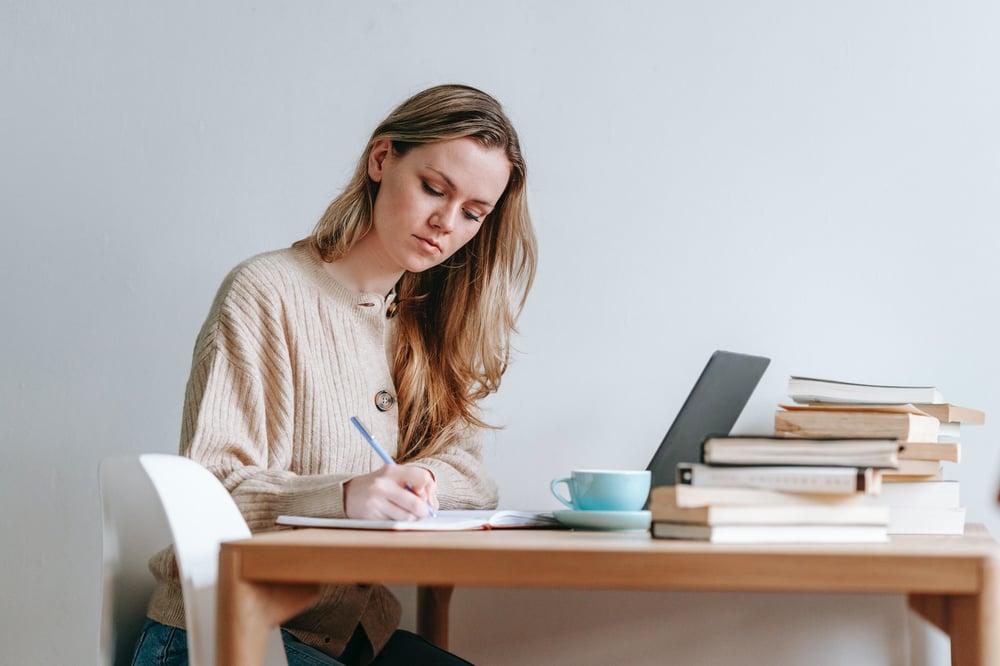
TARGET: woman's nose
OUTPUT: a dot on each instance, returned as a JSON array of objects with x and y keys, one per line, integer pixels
[{"x": 444, "y": 218}]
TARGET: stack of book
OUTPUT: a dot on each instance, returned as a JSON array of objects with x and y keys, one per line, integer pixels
[
  {"x": 846, "y": 463},
  {"x": 777, "y": 490},
  {"x": 928, "y": 429},
  {"x": 920, "y": 452}
]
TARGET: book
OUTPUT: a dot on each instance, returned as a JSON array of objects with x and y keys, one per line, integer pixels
[
  {"x": 944, "y": 412},
  {"x": 924, "y": 507},
  {"x": 812, "y": 389},
  {"x": 922, "y": 494},
  {"x": 747, "y": 534},
  {"x": 798, "y": 478},
  {"x": 948, "y": 413},
  {"x": 946, "y": 451},
  {"x": 905, "y": 427},
  {"x": 771, "y": 514},
  {"x": 831, "y": 451},
  {"x": 894, "y": 478},
  {"x": 903, "y": 408},
  {"x": 445, "y": 521},
  {"x": 950, "y": 432},
  {"x": 926, "y": 520},
  {"x": 687, "y": 495},
  {"x": 913, "y": 468}
]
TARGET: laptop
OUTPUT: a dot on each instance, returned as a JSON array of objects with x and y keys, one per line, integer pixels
[{"x": 712, "y": 408}]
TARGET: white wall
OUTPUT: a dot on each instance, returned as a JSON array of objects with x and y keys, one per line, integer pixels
[{"x": 812, "y": 181}]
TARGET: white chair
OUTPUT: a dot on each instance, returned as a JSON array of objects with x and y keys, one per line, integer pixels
[
  {"x": 150, "y": 501},
  {"x": 134, "y": 527}
]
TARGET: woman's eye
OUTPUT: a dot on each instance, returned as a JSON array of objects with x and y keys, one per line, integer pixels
[
  {"x": 430, "y": 190},
  {"x": 471, "y": 216}
]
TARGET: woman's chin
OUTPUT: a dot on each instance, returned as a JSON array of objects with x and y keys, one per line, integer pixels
[{"x": 420, "y": 265}]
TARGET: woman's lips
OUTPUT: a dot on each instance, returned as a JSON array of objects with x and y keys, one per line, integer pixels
[{"x": 428, "y": 244}]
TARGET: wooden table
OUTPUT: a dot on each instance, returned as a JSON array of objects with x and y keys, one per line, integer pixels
[{"x": 267, "y": 579}]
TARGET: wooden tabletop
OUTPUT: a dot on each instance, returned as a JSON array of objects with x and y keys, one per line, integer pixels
[{"x": 558, "y": 558}]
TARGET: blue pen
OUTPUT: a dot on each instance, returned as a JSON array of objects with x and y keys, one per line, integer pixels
[{"x": 386, "y": 458}]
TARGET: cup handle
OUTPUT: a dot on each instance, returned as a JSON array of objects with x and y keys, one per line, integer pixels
[{"x": 552, "y": 487}]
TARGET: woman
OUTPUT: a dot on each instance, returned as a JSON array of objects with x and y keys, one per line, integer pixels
[{"x": 398, "y": 309}]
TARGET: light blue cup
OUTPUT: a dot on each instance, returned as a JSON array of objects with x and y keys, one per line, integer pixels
[{"x": 603, "y": 489}]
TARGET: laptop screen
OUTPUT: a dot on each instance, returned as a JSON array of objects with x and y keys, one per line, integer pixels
[{"x": 712, "y": 408}]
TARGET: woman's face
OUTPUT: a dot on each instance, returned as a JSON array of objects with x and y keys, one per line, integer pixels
[{"x": 432, "y": 200}]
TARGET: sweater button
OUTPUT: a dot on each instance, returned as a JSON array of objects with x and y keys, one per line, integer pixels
[{"x": 384, "y": 401}]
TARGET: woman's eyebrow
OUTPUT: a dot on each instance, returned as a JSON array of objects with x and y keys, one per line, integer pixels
[{"x": 451, "y": 184}]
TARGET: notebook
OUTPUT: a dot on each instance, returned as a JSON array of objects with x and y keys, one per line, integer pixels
[
  {"x": 445, "y": 521},
  {"x": 712, "y": 408}
]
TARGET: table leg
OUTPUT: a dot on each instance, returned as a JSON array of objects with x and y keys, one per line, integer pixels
[
  {"x": 433, "y": 606},
  {"x": 931, "y": 607},
  {"x": 973, "y": 621},
  {"x": 247, "y": 611}
]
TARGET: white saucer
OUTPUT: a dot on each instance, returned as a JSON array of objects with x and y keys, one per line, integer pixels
[{"x": 604, "y": 520}]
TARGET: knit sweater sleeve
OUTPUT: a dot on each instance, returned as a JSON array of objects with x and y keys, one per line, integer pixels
[{"x": 239, "y": 410}]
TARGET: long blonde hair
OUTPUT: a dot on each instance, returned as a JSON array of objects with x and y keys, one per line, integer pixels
[{"x": 455, "y": 320}]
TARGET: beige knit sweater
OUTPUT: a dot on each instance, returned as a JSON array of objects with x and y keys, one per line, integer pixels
[{"x": 285, "y": 358}]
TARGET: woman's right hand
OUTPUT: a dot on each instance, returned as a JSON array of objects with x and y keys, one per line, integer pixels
[{"x": 382, "y": 494}]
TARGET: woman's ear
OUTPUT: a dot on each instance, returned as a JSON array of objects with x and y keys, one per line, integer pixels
[{"x": 376, "y": 159}]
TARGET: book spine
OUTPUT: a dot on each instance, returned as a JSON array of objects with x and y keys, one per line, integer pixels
[{"x": 801, "y": 480}]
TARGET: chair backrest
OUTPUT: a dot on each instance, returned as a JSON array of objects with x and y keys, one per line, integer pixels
[
  {"x": 134, "y": 528},
  {"x": 201, "y": 514}
]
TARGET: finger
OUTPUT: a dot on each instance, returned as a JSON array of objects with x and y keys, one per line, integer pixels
[
  {"x": 370, "y": 496},
  {"x": 394, "y": 496},
  {"x": 429, "y": 492},
  {"x": 382, "y": 494},
  {"x": 418, "y": 477},
  {"x": 405, "y": 506}
]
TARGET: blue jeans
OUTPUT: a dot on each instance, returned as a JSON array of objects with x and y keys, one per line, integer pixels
[{"x": 160, "y": 645}]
